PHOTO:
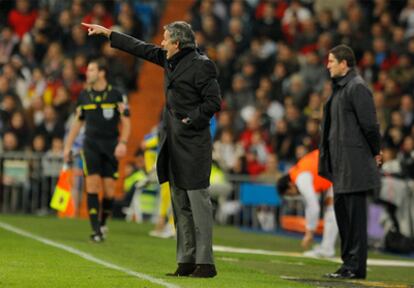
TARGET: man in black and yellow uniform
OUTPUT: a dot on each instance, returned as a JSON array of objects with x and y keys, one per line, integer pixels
[{"x": 100, "y": 108}]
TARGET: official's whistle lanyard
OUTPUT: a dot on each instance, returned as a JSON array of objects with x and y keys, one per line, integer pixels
[{"x": 99, "y": 98}]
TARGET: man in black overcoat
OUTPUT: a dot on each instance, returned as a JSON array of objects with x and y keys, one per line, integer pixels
[
  {"x": 192, "y": 97},
  {"x": 349, "y": 156}
]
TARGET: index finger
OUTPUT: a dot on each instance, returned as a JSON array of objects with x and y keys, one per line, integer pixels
[{"x": 86, "y": 24}]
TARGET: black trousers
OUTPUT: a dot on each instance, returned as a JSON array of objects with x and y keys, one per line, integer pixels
[{"x": 351, "y": 215}]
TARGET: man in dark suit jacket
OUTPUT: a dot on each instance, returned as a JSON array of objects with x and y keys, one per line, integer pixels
[
  {"x": 192, "y": 97},
  {"x": 349, "y": 156}
]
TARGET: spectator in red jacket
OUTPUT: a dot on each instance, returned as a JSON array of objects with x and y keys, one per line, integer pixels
[{"x": 22, "y": 18}]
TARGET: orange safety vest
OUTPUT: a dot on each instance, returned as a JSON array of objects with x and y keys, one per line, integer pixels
[{"x": 309, "y": 163}]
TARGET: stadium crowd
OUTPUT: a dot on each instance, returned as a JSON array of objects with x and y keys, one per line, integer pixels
[
  {"x": 271, "y": 56},
  {"x": 43, "y": 57}
]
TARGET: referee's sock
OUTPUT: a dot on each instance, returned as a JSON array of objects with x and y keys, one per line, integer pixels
[
  {"x": 106, "y": 209},
  {"x": 93, "y": 211}
]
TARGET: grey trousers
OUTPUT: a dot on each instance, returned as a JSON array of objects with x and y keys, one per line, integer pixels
[{"x": 193, "y": 216}]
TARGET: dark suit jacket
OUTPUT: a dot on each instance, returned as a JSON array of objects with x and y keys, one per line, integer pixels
[
  {"x": 352, "y": 166},
  {"x": 191, "y": 90}
]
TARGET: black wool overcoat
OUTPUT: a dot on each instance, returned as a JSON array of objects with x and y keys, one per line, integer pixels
[
  {"x": 348, "y": 160},
  {"x": 191, "y": 90}
]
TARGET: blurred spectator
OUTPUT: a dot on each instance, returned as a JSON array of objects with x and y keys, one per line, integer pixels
[
  {"x": 296, "y": 10},
  {"x": 280, "y": 80},
  {"x": 240, "y": 95},
  {"x": 270, "y": 110},
  {"x": 226, "y": 151},
  {"x": 249, "y": 73},
  {"x": 407, "y": 111},
  {"x": 8, "y": 44},
  {"x": 64, "y": 28},
  {"x": 77, "y": 10},
  {"x": 204, "y": 8},
  {"x": 313, "y": 72},
  {"x": 267, "y": 24},
  {"x": 225, "y": 63},
  {"x": 314, "y": 108},
  {"x": 406, "y": 157},
  {"x": 271, "y": 173},
  {"x": 26, "y": 52},
  {"x": 283, "y": 141},
  {"x": 368, "y": 68},
  {"x": 312, "y": 136},
  {"x": 18, "y": 126},
  {"x": 10, "y": 142},
  {"x": 22, "y": 17},
  {"x": 238, "y": 35},
  {"x": 297, "y": 90},
  {"x": 241, "y": 10},
  {"x": 15, "y": 80},
  {"x": 128, "y": 22},
  {"x": 225, "y": 122},
  {"x": 394, "y": 134},
  {"x": 254, "y": 124},
  {"x": 295, "y": 119},
  {"x": 406, "y": 18},
  {"x": 403, "y": 73},
  {"x": 99, "y": 16},
  {"x": 80, "y": 43},
  {"x": 398, "y": 43},
  {"x": 383, "y": 113},
  {"x": 51, "y": 126},
  {"x": 9, "y": 105},
  {"x": 62, "y": 104},
  {"x": 119, "y": 74},
  {"x": 288, "y": 57},
  {"x": 307, "y": 39},
  {"x": 35, "y": 112},
  {"x": 384, "y": 58},
  {"x": 53, "y": 61},
  {"x": 4, "y": 87},
  {"x": 259, "y": 148},
  {"x": 70, "y": 80},
  {"x": 39, "y": 143},
  {"x": 56, "y": 148},
  {"x": 279, "y": 8},
  {"x": 211, "y": 31},
  {"x": 325, "y": 21}
]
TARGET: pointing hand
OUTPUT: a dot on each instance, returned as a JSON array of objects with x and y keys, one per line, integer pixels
[{"x": 94, "y": 29}]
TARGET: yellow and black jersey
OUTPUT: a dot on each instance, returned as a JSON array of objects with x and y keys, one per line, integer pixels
[{"x": 101, "y": 111}]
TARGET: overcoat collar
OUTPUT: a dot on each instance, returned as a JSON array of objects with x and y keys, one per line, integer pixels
[
  {"x": 344, "y": 80},
  {"x": 182, "y": 66}
]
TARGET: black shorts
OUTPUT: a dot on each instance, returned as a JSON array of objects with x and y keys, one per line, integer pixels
[{"x": 98, "y": 157}]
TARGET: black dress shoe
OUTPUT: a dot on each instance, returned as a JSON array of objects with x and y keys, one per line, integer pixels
[
  {"x": 183, "y": 269},
  {"x": 344, "y": 274},
  {"x": 204, "y": 271}
]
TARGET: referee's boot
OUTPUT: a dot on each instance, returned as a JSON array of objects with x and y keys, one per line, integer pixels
[{"x": 97, "y": 238}]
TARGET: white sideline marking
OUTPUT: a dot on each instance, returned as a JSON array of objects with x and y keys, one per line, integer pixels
[
  {"x": 85, "y": 255},
  {"x": 371, "y": 262}
]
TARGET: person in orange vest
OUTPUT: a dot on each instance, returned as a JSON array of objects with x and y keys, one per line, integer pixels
[{"x": 303, "y": 178}]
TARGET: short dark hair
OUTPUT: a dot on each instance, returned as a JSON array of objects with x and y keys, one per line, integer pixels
[
  {"x": 283, "y": 184},
  {"x": 344, "y": 53},
  {"x": 181, "y": 32},
  {"x": 101, "y": 63}
]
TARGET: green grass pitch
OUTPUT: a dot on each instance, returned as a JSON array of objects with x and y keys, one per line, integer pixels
[{"x": 25, "y": 262}]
